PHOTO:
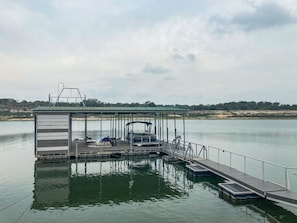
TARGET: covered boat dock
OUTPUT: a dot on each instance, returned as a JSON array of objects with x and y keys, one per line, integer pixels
[{"x": 54, "y": 137}]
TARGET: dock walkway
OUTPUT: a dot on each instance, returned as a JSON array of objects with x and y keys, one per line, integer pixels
[{"x": 264, "y": 189}]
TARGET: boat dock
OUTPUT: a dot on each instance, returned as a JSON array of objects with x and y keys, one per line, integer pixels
[{"x": 54, "y": 138}]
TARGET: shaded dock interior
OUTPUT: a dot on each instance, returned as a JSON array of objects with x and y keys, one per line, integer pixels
[{"x": 81, "y": 149}]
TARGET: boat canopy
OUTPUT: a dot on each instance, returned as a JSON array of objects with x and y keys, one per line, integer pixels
[{"x": 142, "y": 122}]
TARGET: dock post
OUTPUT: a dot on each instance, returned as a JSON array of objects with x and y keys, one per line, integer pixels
[
  {"x": 218, "y": 156},
  {"x": 196, "y": 150},
  {"x": 287, "y": 179},
  {"x": 76, "y": 150},
  {"x": 86, "y": 128},
  {"x": 101, "y": 119},
  {"x": 167, "y": 140},
  {"x": 184, "y": 130},
  {"x": 263, "y": 176},
  {"x": 244, "y": 164},
  {"x": 175, "y": 135}
]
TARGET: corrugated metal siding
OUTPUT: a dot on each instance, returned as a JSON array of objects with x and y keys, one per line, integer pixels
[
  {"x": 52, "y": 143},
  {"x": 52, "y": 135},
  {"x": 52, "y": 122},
  {"x": 52, "y": 132},
  {"x": 52, "y": 149}
]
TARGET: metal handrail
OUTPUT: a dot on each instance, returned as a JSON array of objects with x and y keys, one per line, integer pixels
[
  {"x": 190, "y": 151},
  {"x": 250, "y": 157},
  {"x": 263, "y": 162},
  {"x": 201, "y": 151}
]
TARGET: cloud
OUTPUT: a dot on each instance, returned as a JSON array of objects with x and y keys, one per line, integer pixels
[
  {"x": 191, "y": 57},
  {"x": 79, "y": 43},
  {"x": 261, "y": 16},
  {"x": 177, "y": 56},
  {"x": 156, "y": 69},
  {"x": 265, "y": 16}
]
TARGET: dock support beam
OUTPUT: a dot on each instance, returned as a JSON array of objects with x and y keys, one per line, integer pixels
[
  {"x": 184, "y": 131},
  {"x": 175, "y": 127},
  {"x": 86, "y": 128}
]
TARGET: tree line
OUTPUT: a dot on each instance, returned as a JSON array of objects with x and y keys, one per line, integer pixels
[{"x": 8, "y": 104}]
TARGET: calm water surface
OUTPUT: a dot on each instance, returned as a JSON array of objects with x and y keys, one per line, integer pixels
[{"x": 140, "y": 189}]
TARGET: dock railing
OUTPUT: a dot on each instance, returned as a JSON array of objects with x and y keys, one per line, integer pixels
[
  {"x": 265, "y": 170},
  {"x": 261, "y": 169},
  {"x": 186, "y": 150}
]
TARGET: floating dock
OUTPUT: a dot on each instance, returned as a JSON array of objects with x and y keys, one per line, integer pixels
[
  {"x": 170, "y": 159},
  {"x": 199, "y": 154},
  {"x": 265, "y": 189},
  {"x": 236, "y": 191},
  {"x": 198, "y": 170}
]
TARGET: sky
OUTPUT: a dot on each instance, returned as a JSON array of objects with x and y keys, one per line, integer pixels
[{"x": 164, "y": 51}]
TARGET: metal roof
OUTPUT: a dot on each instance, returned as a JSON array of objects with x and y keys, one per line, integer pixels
[{"x": 109, "y": 110}]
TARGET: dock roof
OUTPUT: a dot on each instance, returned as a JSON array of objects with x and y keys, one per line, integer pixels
[{"x": 109, "y": 110}]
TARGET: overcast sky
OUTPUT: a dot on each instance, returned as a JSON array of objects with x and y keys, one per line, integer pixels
[{"x": 165, "y": 51}]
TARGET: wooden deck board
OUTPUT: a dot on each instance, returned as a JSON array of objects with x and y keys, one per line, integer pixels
[{"x": 265, "y": 189}]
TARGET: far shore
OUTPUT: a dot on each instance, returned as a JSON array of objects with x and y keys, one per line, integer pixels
[
  {"x": 244, "y": 114},
  {"x": 206, "y": 115}
]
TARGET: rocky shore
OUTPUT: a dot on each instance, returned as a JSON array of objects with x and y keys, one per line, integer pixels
[
  {"x": 244, "y": 114},
  {"x": 209, "y": 115}
]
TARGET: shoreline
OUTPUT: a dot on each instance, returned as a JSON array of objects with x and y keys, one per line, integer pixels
[
  {"x": 208, "y": 115},
  {"x": 243, "y": 114}
]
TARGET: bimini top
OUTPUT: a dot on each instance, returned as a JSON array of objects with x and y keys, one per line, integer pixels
[
  {"x": 142, "y": 122},
  {"x": 109, "y": 110}
]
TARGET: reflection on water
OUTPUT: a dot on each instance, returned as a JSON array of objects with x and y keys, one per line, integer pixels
[
  {"x": 66, "y": 183},
  {"x": 6, "y": 140},
  {"x": 141, "y": 189}
]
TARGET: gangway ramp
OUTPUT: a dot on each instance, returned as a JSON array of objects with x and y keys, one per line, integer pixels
[{"x": 265, "y": 189}]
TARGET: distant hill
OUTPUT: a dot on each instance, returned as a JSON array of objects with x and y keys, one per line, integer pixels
[{"x": 11, "y": 108}]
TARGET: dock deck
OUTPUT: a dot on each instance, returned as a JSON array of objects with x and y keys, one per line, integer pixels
[
  {"x": 264, "y": 189},
  {"x": 122, "y": 148}
]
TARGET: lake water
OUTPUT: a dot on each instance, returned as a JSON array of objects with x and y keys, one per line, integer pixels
[{"x": 139, "y": 189}]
